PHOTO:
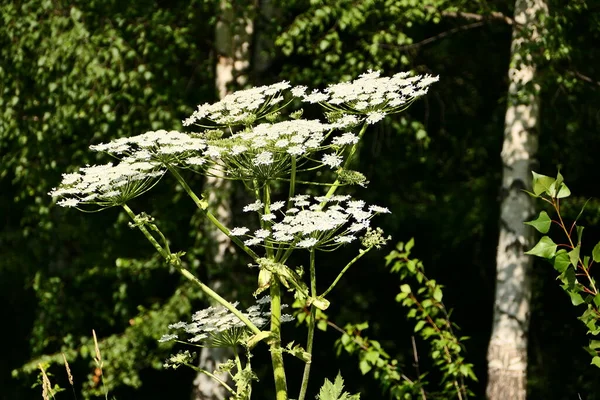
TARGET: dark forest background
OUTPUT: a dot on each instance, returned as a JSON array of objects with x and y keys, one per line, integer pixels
[{"x": 75, "y": 73}]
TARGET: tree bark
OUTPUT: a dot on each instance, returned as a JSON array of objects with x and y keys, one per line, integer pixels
[
  {"x": 233, "y": 38},
  {"x": 507, "y": 351}
]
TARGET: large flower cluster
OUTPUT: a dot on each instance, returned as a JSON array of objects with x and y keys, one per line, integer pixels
[
  {"x": 242, "y": 107},
  {"x": 372, "y": 95},
  {"x": 266, "y": 151},
  {"x": 218, "y": 327},
  {"x": 312, "y": 222},
  {"x": 159, "y": 146},
  {"x": 107, "y": 185}
]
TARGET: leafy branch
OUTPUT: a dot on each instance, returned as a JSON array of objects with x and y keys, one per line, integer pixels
[{"x": 566, "y": 258}]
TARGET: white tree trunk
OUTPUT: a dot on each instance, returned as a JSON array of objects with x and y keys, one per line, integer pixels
[
  {"x": 233, "y": 38},
  {"x": 507, "y": 351}
]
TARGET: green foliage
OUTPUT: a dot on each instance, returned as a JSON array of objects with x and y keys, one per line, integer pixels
[
  {"x": 433, "y": 323},
  {"x": 572, "y": 267},
  {"x": 83, "y": 72},
  {"x": 335, "y": 390}
]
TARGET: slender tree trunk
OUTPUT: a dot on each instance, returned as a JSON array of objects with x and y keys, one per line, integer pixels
[
  {"x": 233, "y": 38},
  {"x": 507, "y": 351}
]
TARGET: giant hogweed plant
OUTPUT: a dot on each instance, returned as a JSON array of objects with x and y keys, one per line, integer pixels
[
  {"x": 573, "y": 267},
  {"x": 253, "y": 137}
]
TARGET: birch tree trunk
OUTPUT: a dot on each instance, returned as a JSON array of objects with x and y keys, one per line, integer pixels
[
  {"x": 233, "y": 38},
  {"x": 507, "y": 351}
]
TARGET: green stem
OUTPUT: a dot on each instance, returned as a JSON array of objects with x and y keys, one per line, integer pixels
[
  {"x": 216, "y": 378},
  {"x": 188, "y": 275},
  {"x": 238, "y": 362},
  {"x": 311, "y": 327},
  {"x": 336, "y": 184},
  {"x": 276, "y": 352},
  {"x": 292, "y": 181},
  {"x": 203, "y": 207},
  {"x": 267, "y": 210},
  {"x": 337, "y": 279},
  {"x": 583, "y": 266}
]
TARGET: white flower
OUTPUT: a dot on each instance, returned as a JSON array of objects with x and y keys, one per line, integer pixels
[
  {"x": 371, "y": 92},
  {"x": 268, "y": 217},
  {"x": 106, "y": 185},
  {"x": 264, "y": 158},
  {"x": 257, "y": 205},
  {"x": 238, "y": 231},
  {"x": 375, "y": 116},
  {"x": 345, "y": 139},
  {"x": 241, "y": 107},
  {"x": 298, "y": 91},
  {"x": 378, "y": 209},
  {"x": 315, "y": 97},
  {"x": 332, "y": 160},
  {"x": 167, "y": 338},
  {"x": 262, "y": 233},
  {"x": 345, "y": 239},
  {"x": 306, "y": 243},
  {"x": 196, "y": 161},
  {"x": 252, "y": 242},
  {"x": 277, "y": 205},
  {"x": 358, "y": 226}
]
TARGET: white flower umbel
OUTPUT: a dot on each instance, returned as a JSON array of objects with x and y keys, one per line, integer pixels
[
  {"x": 164, "y": 147},
  {"x": 243, "y": 107},
  {"x": 372, "y": 95},
  {"x": 218, "y": 327},
  {"x": 265, "y": 152},
  {"x": 314, "y": 222},
  {"x": 106, "y": 185}
]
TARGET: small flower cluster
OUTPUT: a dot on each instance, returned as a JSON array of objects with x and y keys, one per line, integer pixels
[
  {"x": 218, "y": 327},
  {"x": 242, "y": 107},
  {"x": 372, "y": 95},
  {"x": 107, "y": 185},
  {"x": 317, "y": 222},
  {"x": 181, "y": 358}
]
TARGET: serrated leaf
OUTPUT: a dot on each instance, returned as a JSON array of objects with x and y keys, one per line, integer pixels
[
  {"x": 545, "y": 248},
  {"x": 542, "y": 183},
  {"x": 541, "y": 223},
  {"x": 334, "y": 391}
]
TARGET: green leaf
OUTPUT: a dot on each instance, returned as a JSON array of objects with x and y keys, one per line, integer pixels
[
  {"x": 576, "y": 298},
  {"x": 405, "y": 288},
  {"x": 582, "y": 209},
  {"x": 542, "y": 183},
  {"x": 596, "y": 361},
  {"x": 574, "y": 256},
  {"x": 541, "y": 223},
  {"x": 580, "y": 233},
  {"x": 437, "y": 293},
  {"x": 335, "y": 391},
  {"x": 563, "y": 192},
  {"x": 596, "y": 252},
  {"x": 561, "y": 261},
  {"x": 419, "y": 325},
  {"x": 545, "y": 248}
]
